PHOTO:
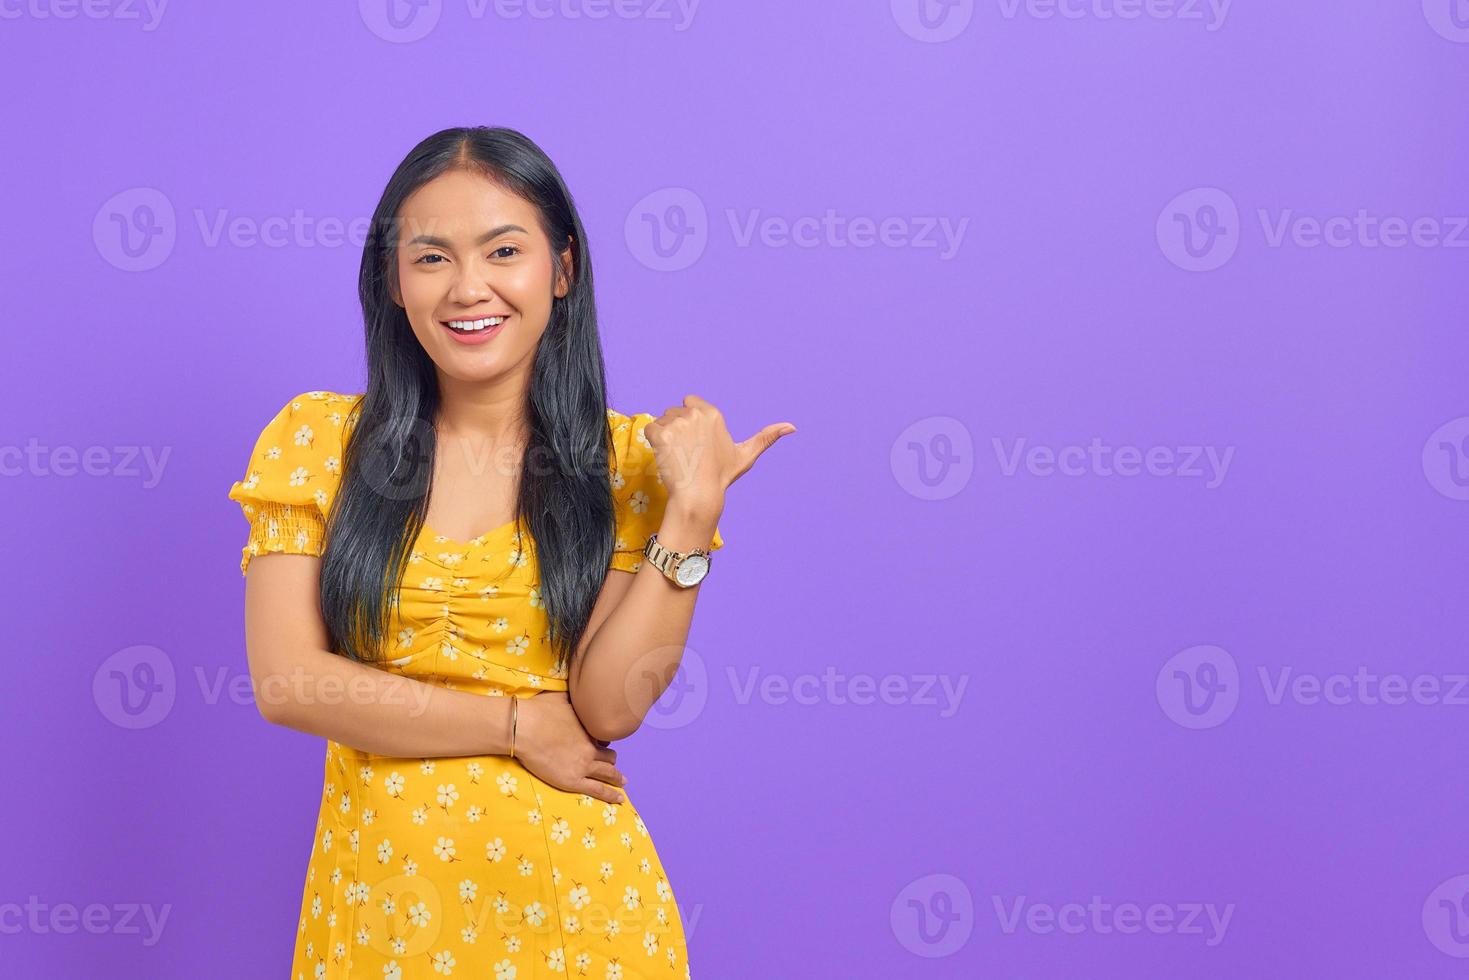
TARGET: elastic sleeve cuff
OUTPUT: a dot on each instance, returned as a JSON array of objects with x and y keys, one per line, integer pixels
[{"x": 290, "y": 529}]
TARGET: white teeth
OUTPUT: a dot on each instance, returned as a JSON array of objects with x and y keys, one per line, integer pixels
[{"x": 470, "y": 326}]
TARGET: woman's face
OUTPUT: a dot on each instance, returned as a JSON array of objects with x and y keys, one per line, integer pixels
[{"x": 467, "y": 250}]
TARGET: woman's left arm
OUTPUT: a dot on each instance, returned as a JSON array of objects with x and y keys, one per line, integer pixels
[{"x": 633, "y": 648}]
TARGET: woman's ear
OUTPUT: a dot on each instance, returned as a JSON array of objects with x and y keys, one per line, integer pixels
[{"x": 568, "y": 270}]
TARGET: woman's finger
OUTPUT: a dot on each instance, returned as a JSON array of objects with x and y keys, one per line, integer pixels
[
  {"x": 607, "y": 773},
  {"x": 601, "y": 791}
]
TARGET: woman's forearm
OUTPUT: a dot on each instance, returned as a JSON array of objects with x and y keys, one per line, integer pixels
[
  {"x": 633, "y": 656},
  {"x": 380, "y": 712}
]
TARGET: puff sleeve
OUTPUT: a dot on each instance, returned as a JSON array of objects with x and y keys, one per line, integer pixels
[
  {"x": 638, "y": 493},
  {"x": 290, "y": 478}
]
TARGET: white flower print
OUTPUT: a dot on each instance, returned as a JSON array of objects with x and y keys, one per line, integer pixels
[
  {"x": 303, "y": 436},
  {"x": 556, "y": 959},
  {"x": 447, "y": 795},
  {"x": 427, "y": 767},
  {"x": 507, "y": 783},
  {"x": 420, "y": 814},
  {"x": 418, "y": 914},
  {"x": 638, "y": 502},
  {"x": 500, "y": 625},
  {"x": 384, "y": 851},
  {"x": 579, "y": 896},
  {"x": 504, "y": 970},
  {"x": 517, "y": 645},
  {"x": 534, "y": 598},
  {"x": 512, "y": 944},
  {"x": 650, "y": 943},
  {"x": 444, "y": 848},
  {"x": 534, "y": 914},
  {"x": 444, "y": 962},
  {"x": 495, "y": 850},
  {"x": 394, "y": 785},
  {"x": 630, "y": 898},
  {"x": 299, "y": 476},
  {"x": 467, "y": 890},
  {"x": 560, "y": 830}
]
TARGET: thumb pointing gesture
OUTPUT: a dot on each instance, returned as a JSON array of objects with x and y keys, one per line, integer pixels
[{"x": 749, "y": 450}]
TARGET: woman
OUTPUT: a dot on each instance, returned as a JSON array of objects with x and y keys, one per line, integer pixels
[{"x": 428, "y": 586}]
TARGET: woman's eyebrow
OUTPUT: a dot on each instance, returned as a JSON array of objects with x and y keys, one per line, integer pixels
[{"x": 495, "y": 232}]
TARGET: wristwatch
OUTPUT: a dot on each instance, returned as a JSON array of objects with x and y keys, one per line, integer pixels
[{"x": 684, "y": 569}]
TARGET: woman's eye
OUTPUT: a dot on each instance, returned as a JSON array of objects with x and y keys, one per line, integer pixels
[
  {"x": 423, "y": 259},
  {"x": 507, "y": 248}
]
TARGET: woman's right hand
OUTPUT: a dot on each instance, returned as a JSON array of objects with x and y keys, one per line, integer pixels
[{"x": 551, "y": 742}]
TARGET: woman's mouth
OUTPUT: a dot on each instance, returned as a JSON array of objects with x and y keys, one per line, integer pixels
[{"x": 475, "y": 331}]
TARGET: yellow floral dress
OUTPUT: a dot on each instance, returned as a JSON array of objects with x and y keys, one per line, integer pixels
[{"x": 465, "y": 866}]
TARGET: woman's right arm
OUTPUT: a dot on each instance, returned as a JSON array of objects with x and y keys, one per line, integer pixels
[{"x": 300, "y": 684}]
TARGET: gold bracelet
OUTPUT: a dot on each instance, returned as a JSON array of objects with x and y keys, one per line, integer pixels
[{"x": 514, "y": 718}]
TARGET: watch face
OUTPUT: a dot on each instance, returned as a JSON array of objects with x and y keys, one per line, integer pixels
[{"x": 691, "y": 570}]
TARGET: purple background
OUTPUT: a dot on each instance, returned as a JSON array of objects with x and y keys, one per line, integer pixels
[{"x": 797, "y": 833}]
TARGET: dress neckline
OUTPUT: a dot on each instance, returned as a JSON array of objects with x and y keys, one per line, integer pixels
[{"x": 476, "y": 541}]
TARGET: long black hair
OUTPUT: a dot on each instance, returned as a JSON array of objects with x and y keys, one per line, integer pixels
[{"x": 564, "y": 496}]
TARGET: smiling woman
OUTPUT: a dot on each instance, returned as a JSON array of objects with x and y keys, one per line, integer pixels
[{"x": 443, "y": 546}]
